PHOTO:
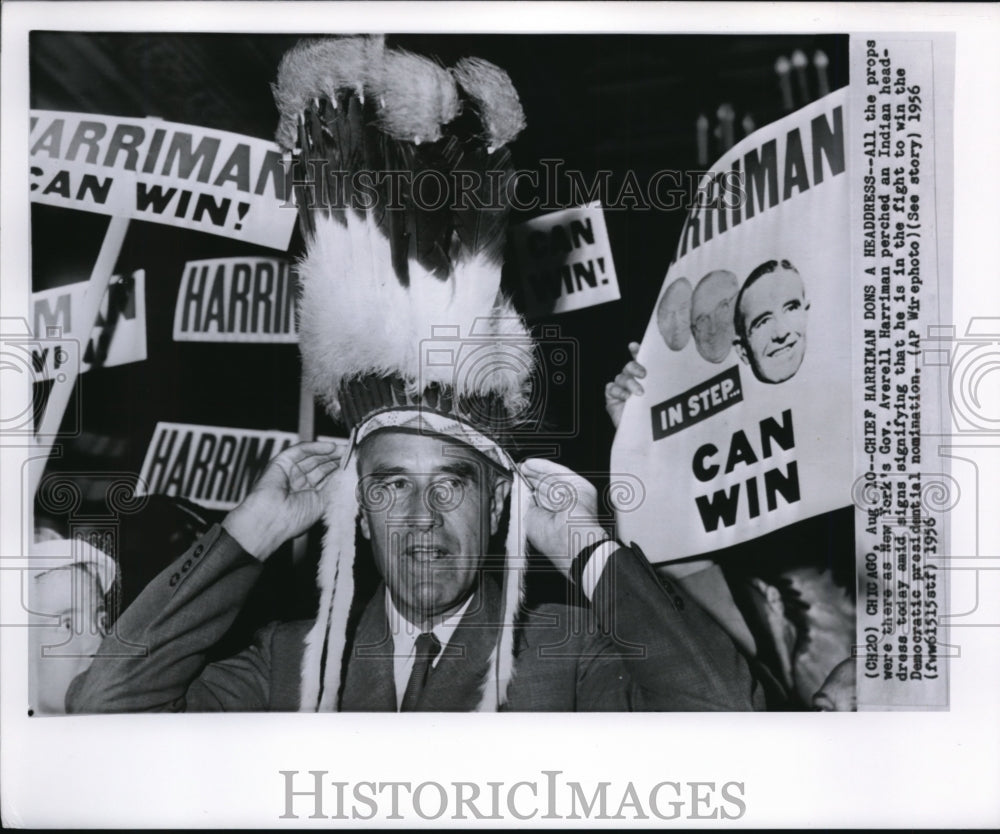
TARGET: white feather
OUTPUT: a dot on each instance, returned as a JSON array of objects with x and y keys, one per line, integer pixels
[
  {"x": 356, "y": 318},
  {"x": 501, "y": 667},
  {"x": 335, "y": 578}
]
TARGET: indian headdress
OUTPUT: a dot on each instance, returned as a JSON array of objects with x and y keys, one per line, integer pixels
[{"x": 402, "y": 184}]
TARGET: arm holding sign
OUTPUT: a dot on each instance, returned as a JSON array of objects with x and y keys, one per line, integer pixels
[
  {"x": 702, "y": 579},
  {"x": 189, "y": 607},
  {"x": 681, "y": 659},
  {"x": 624, "y": 386}
]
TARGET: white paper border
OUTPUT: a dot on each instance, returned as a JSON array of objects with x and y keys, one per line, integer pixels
[{"x": 877, "y": 769}]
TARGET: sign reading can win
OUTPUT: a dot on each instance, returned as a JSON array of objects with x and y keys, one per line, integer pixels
[
  {"x": 237, "y": 300},
  {"x": 198, "y": 178},
  {"x": 565, "y": 260},
  {"x": 210, "y": 465}
]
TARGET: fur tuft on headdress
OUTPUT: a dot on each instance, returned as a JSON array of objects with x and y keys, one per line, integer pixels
[
  {"x": 490, "y": 87},
  {"x": 415, "y": 96},
  {"x": 321, "y": 68}
]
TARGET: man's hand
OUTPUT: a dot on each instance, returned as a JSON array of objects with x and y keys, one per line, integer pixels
[
  {"x": 287, "y": 499},
  {"x": 562, "y": 518},
  {"x": 624, "y": 386}
]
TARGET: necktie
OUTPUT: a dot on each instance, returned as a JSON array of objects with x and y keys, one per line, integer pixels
[{"x": 427, "y": 649}]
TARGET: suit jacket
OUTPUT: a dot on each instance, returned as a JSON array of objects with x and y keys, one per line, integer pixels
[
  {"x": 641, "y": 645},
  {"x": 562, "y": 661}
]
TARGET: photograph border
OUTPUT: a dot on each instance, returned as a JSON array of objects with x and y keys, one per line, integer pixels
[{"x": 879, "y": 769}]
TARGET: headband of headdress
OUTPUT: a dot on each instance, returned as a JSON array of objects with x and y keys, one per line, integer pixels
[{"x": 402, "y": 181}]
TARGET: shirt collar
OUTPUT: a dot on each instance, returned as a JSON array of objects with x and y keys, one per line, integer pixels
[{"x": 405, "y": 633}]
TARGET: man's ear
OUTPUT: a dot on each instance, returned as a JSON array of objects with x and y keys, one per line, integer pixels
[
  {"x": 741, "y": 350},
  {"x": 366, "y": 530},
  {"x": 501, "y": 489}
]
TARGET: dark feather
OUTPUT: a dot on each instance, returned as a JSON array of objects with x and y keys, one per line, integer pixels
[
  {"x": 456, "y": 213},
  {"x": 481, "y": 218}
]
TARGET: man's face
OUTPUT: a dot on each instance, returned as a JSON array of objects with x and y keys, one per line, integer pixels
[
  {"x": 66, "y": 631},
  {"x": 712, "y": 315},
  {"x": 673, "y": 314},
  {"x": 429, "y": 506},
  {"x": 774, "y": 321}
]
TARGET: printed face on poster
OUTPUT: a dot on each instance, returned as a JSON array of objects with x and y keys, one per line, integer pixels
[{"x": 745, "y": 425}]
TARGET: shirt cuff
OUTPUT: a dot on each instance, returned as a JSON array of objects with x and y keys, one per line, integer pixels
[{"x": 594, "y": 569}]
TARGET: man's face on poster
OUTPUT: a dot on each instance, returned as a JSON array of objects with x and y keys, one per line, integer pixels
[
  {"x": 712, "y": 314},
  {"x": 773, "y": 332},
  {"x": 429, "y": 507},
  {"x": 673, "y": 314}
]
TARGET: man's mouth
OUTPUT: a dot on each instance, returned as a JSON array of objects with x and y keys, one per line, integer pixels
[
  {"x": 781, "y": 351},
  {"x": 425, "y": 552}
]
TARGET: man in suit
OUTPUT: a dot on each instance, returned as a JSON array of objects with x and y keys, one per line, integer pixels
[
  {"x": 430, "y": 506},
  {"x": 409, "y": 342}
]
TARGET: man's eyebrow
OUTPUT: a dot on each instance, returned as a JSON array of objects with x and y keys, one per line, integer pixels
[
  {"x": 460, "y": 468},
  {"x": 383, "y": 470},
  {"x": 758, "y": 319}
]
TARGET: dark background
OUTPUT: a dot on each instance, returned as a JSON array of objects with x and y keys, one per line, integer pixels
[
  {"x": 622, "y": 102},
  {"x": 595, "y": 102}
]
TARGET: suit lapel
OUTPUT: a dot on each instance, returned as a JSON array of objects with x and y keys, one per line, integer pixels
[
  {"x": 454, "y": 683},
  {"x": 370, "y": 686}
]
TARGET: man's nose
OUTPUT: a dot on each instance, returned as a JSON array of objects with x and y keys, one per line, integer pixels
[
  {"x": 782, "y": 328},
  {"x": 420, "y": 510}
]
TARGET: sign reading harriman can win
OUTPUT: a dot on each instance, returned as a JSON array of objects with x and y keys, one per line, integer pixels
[{"x": 194, "y": 177}]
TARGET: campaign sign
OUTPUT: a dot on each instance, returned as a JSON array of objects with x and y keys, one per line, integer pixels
[
  {"x": 745, "y": 424},
  {"x": 116, "y": 338},
  {"x": 565, "y": 262},
  {"x": 213, "y": 466},
  {"x": 198, "y": 178},
  {"x": 237, "y": 300}
]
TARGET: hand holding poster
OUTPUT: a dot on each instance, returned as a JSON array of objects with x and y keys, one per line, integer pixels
[{"x": 745, "y": 426}]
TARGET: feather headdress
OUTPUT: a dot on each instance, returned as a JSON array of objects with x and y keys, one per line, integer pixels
[{"x": 402, "y": 188}]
